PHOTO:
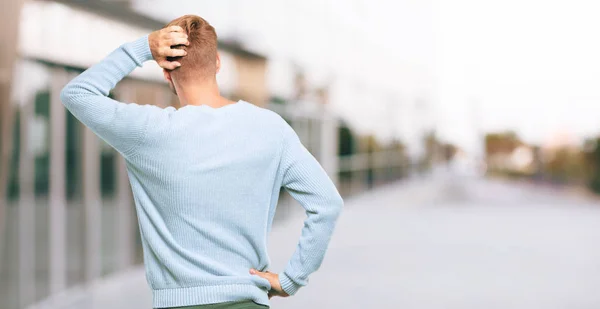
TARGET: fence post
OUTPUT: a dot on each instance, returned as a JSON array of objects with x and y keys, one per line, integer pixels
[
  {"x": 26, "y": 208},
  {"x": 329, "y": 146},
  {"x": 57, "y": 198},
  {"x": 91, "y": 202}
]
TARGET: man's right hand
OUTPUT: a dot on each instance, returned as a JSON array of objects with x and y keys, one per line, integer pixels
[{"x": 161, "y": 45}]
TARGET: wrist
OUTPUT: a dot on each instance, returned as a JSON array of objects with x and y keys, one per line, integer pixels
[
  {"x": 287, "y": 285},
  {"x": 140, "y": 50}
]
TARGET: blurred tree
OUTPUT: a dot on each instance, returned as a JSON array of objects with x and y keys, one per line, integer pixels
[
  {"x": 372, "y": 146},
  {"x": 566, "y": 165},
  {"x": 433, "y": 150},
  {"x": 537, "y": 164},
  {"x": 398, "y": 147},
  {"x": 346, "y": 140},
  {"x": 593, "y": 159},
  {"x": 499, "y": 148},
  {"x": 501, "y": 143},
  {"x": 557, "y": 165},
  {"x": 397, "y": 168},
  {"x": 278, "y": 100},
  {"x": 449, "y": 152}
]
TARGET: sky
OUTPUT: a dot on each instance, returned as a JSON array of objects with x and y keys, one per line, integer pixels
[{"x": 530, "y": 66}]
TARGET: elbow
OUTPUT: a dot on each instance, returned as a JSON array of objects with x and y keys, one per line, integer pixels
[
  {"x": 336, "y": 204},
  {"x": 72, "y": 95},
  {"x": 76, "y": 93},
  {"x": 66, "y": 95},
  {"x": 73, "y": 92},
  {"x": 339, "y": 205}
]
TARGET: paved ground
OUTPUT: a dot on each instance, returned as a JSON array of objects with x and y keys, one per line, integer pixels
[
  {"x": 446, "y": 243},
  {"x": 455, "y": 243}
]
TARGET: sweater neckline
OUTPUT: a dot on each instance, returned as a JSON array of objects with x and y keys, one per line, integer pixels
[{"x": 215, "y": 109}]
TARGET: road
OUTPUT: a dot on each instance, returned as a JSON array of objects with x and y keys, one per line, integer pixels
[{"x": 454, "y": 243}]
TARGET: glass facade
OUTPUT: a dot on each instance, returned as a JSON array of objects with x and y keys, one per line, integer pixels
[{"x": 25, "y": 271}]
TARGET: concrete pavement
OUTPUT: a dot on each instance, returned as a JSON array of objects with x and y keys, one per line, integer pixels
[
  {"x": 455, "y": 243},
  {"x": 445, "y": 242}
]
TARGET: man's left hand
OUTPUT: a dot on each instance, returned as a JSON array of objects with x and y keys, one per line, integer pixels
[{"x": 273, "y": 278}]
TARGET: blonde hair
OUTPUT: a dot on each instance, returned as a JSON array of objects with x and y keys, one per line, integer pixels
[{"x": 201, "y": 58}]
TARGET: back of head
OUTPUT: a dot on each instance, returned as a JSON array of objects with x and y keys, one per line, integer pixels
[{"x": 201, "y": 59}]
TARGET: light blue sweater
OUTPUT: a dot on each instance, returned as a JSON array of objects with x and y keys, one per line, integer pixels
[{"x": 206, "y": 183}]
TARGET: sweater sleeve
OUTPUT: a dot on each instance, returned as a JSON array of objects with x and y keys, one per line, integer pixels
[
  {"x": 309, "y": 184},
  {"x": 121, "y": 125}
]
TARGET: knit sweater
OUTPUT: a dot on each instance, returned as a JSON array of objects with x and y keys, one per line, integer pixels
[{"x": 206, "y": 182}]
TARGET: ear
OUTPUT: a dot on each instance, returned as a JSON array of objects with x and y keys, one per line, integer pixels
[
  {"x": 167, "y": 75},
  {"x": 218, "y": 63}
]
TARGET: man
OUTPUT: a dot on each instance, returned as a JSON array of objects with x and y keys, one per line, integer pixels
[{"x": 206, "y": 177}]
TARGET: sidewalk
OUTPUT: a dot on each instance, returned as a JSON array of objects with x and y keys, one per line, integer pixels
[
  {"x": 440, "y": 244},
  {"x": 129, "y": 289}
]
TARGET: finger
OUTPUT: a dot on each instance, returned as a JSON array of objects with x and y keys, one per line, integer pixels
[
  {"x": 170, "y": 65},
  {"x": 166, "y": 52},
  {"x": 175, "y": 52},
  {"x": 175, "y": 64},
  {"x": 174, "y": 29},
  {"x": 164, "y": 64},
  {"x": 259, "y": 273},
  {"x": 177, "y": 35},
  {"x": 178, "y": 41}
]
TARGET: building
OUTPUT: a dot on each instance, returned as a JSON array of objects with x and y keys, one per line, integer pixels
[{"x": 68, "y": 220}]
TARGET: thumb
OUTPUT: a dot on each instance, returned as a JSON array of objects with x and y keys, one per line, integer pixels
[{"x": 258, "y": 273}]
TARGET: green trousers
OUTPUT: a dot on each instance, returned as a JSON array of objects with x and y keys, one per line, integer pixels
[{"x": 244, "y": 304}]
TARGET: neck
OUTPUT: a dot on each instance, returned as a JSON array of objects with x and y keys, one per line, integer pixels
[{"x": 204, "y": 92}]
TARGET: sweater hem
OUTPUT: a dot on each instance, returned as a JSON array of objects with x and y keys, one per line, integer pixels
[
  {"x": 288, "y": 285},
  {"x": 212, "y": 294}
]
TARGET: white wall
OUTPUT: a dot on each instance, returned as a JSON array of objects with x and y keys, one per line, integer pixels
[{"x": 58, "y": 33}]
